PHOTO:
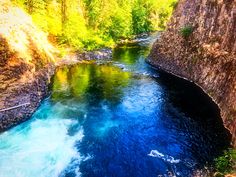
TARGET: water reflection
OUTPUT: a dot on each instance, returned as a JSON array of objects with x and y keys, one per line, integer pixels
[
  {"x": 90, "y": 82},
  {"x": 128, "y": 54}
]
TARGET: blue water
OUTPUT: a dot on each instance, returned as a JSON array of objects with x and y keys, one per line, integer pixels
[{"x": 115, "y": 119}]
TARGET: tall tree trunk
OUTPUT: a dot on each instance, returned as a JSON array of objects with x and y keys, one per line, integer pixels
[{"x": 63, "y": 13}]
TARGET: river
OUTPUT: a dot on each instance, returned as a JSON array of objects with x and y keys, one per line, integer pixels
[{"x": 118, "y": 118}]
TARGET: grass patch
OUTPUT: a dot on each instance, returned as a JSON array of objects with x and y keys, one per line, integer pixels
[
  {"x": 186, "y": 31},
  {"x": 226, "y": 163}
]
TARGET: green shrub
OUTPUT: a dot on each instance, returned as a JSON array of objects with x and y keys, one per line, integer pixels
[
  {"x": 224, "y": 164},
  {"x": 186, "y": 31}
]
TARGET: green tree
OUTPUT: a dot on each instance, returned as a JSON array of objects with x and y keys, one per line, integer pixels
[{"x": 92, "y": 24}]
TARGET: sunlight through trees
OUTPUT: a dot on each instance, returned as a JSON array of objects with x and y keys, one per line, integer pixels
[{"x": 92, "y": 24}]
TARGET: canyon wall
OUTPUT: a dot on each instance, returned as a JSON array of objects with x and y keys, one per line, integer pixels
[
  {"x": 26, "y": 65},
  {"x": 205, "y": 55}
]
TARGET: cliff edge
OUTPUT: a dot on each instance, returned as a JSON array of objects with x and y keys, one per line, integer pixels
[
  {"x": 200, "y": 45},
  {"x": 26, "y": 65}
]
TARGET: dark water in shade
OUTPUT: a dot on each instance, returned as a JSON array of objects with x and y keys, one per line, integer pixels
[{"x": 116, "y": 119}]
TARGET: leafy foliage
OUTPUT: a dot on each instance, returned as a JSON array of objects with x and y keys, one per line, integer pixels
[
  {"x": 224, "y": 164},
  {"x": 92, "y": 24}
]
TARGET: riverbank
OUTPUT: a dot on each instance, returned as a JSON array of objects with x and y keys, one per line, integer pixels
[
  {"x": 19, "y": 100},
  {"x": 24, "y": 85},
  {"x": 22, "y": 92},
  {"x": 27, "y": 62}
]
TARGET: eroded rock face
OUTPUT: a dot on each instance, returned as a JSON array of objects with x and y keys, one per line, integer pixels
[
  {"x": 208, "y": 55},
  {"x": 26, "y": 65}
]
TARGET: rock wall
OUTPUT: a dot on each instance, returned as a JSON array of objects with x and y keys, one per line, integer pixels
[
  {"x": 207, "y": 56},
  {"x": 26, "y": 65}
]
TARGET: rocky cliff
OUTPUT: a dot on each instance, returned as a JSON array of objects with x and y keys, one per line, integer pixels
[
  {"x": 26, "y": 64},
  {"x": 200, "y": 45}
]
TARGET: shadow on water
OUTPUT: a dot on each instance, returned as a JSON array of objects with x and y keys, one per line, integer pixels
[{"x": 201, "y": 111}]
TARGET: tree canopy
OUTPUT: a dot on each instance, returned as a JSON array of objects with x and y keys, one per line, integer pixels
[{"x": 92, "y": 24}]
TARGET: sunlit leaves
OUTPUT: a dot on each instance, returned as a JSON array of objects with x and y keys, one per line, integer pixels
[{"x": 92, "y": 24}]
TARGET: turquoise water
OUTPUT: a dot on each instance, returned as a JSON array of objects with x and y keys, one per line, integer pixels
[{"x": 116, "y": 118}]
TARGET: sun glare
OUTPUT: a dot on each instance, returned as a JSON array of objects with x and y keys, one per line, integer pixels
[{"x": 22, "y": 36}]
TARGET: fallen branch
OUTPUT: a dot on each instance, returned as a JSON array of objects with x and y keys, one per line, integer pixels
[{"x": 14, "y": 107}]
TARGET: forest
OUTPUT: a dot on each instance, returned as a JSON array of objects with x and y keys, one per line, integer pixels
[{"x": 91, "y": 24}]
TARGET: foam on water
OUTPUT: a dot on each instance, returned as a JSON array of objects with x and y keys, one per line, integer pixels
[
  {"x": 41, "y": 147},
  {"x": 166, "y": 158}
]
